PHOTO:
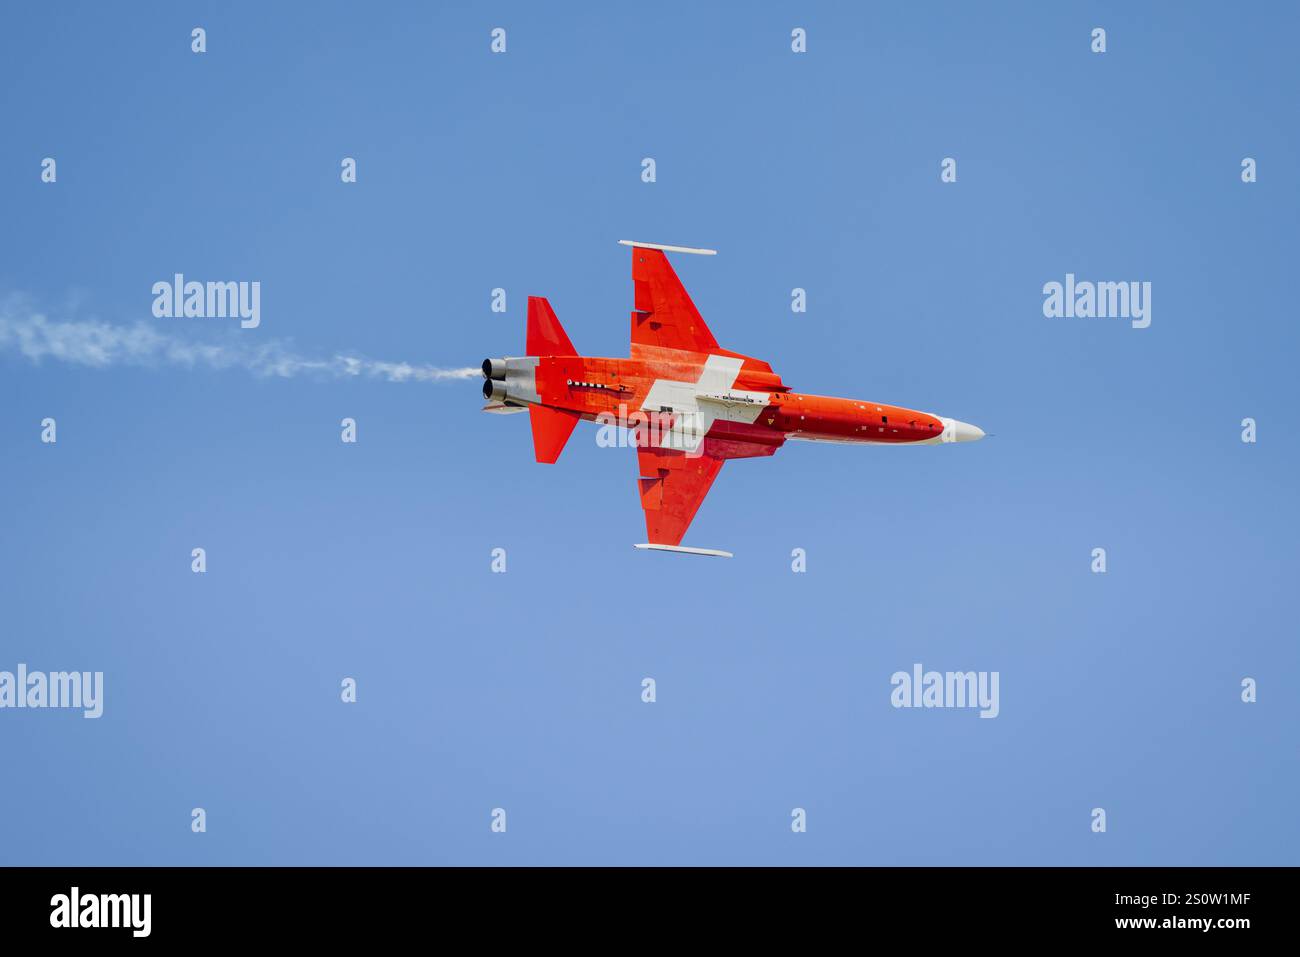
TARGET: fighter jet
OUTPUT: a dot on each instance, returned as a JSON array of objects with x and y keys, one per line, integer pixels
[{"x": 686, "y": 404}]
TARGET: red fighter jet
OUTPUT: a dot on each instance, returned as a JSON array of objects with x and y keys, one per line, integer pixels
[{"x": 683, "y": 401}]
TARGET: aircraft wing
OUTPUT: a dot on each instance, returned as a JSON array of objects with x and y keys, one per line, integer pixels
[
  {"x": 663, "y": 314},
  {"x": 674, "y": 484}
]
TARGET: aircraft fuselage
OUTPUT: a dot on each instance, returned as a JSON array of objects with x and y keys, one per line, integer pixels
[{"x": 723, "y": 395}]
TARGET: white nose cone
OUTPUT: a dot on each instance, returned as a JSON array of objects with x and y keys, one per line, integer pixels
[{"x": 955, "y": 431}]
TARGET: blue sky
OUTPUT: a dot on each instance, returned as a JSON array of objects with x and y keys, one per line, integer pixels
[{"x": 522, "y": 690}]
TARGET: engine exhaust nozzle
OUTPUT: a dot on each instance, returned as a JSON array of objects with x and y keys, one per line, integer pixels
[{"x": 494, "y": 368}]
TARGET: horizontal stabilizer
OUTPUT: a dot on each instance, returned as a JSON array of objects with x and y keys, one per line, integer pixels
[
  {"x": 543, "y": 335},
  {"x": 551, "y": 430}
]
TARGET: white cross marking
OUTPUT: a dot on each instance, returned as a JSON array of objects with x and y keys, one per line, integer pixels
[{"x": 692, "y": 419}]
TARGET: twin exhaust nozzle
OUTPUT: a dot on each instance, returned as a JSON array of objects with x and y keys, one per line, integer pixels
[{"x": 494, "y": 371}]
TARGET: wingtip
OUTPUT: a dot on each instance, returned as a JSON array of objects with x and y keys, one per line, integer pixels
[
  {"x": 685, "y": 550},
  {"x": 668, "y": 249}
]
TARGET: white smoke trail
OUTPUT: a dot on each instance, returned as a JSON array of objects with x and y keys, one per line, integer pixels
[{"x": 90, "y": 342}]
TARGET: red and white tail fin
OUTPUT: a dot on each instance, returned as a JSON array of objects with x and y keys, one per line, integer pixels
[{"x": 545, "y": 336}]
